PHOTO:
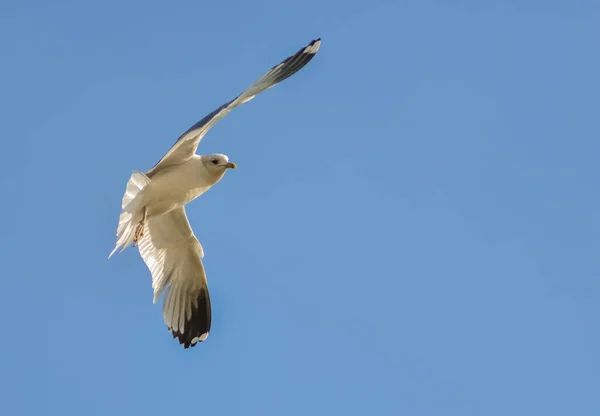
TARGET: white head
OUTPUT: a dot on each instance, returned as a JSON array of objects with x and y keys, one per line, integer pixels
[{"x": 217, "y": 164}]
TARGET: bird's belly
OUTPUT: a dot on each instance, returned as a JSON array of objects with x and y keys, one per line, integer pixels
[
  {"x": 161, "y": 203},
  {"x": 172, "y": 190}
]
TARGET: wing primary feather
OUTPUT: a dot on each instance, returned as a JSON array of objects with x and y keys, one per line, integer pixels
[{"x": 197, "y": 326}]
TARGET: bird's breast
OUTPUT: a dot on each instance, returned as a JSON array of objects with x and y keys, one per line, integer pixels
[{"x": 176, "y": 186}]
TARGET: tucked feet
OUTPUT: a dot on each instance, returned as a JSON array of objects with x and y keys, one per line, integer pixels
[{"x": 139, "y": 231}]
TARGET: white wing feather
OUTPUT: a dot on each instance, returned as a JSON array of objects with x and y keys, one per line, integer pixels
[{"x": 173, "y": 254}]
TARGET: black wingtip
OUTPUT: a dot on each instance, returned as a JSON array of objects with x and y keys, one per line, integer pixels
[{"x": 197, "y": 327}]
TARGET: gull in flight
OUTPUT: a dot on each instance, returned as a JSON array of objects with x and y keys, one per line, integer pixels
[{"x": 153, "y": 213}]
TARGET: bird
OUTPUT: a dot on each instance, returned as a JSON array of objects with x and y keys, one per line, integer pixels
[{"x": 154, "y": 219}]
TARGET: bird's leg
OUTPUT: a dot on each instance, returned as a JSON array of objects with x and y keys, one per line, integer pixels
[{"x": 139, "y": 231}]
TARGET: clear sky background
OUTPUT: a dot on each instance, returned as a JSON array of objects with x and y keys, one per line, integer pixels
[{"x": 413, "y": 227}]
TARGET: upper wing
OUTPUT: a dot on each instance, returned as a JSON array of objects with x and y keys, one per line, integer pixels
[
  {"x": 173, "y": 255},
  {"x": 185, "y": 147}
]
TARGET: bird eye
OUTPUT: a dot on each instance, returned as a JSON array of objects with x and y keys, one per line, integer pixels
[{"x": 214, "y": 161}]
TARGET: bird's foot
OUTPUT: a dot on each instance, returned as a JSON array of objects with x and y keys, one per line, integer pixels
[{"x": 139, "y": 233}]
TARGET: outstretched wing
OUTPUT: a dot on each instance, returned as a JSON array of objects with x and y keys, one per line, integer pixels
[
  {"x": 185, "y": 147},
  {"x": 173, "y": 255}
]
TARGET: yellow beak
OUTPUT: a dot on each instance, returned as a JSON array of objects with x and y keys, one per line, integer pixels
[{"x": 231, "y": 165}]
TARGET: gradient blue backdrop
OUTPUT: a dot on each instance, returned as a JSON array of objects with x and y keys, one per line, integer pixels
[{"x": 412, "y": 229}]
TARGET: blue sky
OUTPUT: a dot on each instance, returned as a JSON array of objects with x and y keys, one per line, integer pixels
[{"x": 412, "y": 228}]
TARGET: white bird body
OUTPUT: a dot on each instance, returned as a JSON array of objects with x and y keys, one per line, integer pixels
[
  {"x": 178, "y": 185},
  {"x": 153, "y": 213}
]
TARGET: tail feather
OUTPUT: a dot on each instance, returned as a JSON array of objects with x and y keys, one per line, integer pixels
[{"x": 131, "y": 210}]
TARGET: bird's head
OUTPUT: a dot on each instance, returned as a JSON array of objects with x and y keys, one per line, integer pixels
[{"x": 217, "y": 163}]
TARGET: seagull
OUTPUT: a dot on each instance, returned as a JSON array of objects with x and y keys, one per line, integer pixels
[{"x": 153, "y": 216}]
